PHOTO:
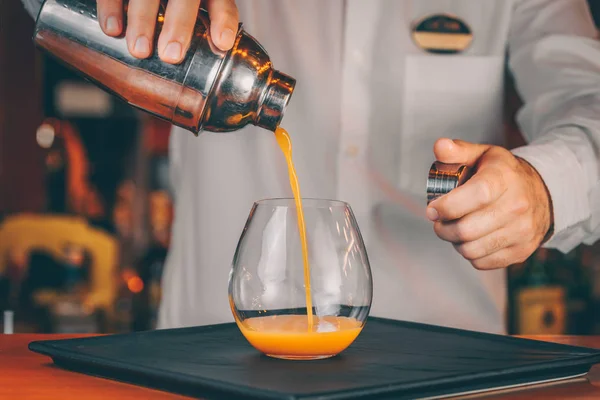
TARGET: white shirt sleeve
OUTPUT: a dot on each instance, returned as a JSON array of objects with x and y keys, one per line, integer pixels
[{"x": 554, "y": 55}]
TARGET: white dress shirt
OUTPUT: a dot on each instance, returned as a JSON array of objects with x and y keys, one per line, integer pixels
[{"x": 367, "y": 108}]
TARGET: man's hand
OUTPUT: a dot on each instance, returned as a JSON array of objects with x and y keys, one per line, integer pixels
[
  {"x": 501, "y": 215},
  {"x": 176, "y": 34}
]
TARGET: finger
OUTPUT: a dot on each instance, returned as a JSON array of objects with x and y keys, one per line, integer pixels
[
  {"x": 458, "y": 151},
  {"x": 141, "y": 20},
  {"x": 473, "y": 226},
  {"x": 176, "y": 35},
  {"x": 224, "y": 20},
  {"x": 504, "y": 258},
  {"x": 483, "y": 189},
  {"x": 110, "y": 16},
  {"x": 517, "y": 232},
  {"x": 487, "y": 245}
]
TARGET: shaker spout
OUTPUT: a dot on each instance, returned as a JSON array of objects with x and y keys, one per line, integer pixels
[
  {"x": 277, "y": 95},
  {"x": 247, "y": 91}
]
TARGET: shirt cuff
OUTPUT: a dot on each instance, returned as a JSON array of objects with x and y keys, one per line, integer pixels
[{"x": 562, "y": 174}]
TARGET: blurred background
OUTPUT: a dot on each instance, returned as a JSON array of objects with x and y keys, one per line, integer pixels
[{"x": 86, "y": 208}]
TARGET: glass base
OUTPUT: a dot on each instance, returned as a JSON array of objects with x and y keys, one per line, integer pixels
[{"x": 300, "y": 358}]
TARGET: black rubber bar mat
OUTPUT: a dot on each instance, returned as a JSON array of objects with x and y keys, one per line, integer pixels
[{"x": 390, "y": 359}]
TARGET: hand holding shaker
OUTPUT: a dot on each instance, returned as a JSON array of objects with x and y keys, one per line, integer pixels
[{"x": 209, "y": 90}]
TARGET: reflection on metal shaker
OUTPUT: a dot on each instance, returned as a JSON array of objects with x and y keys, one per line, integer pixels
[
  {"x": 445, "y": 177},
  {"x": 209, "y": 90}
]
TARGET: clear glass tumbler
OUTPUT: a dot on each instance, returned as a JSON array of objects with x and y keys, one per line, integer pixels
[{"x": 267, "y": 284}]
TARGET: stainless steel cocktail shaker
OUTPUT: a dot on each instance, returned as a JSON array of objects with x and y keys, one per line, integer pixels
[{"x": 209, "y": 90}]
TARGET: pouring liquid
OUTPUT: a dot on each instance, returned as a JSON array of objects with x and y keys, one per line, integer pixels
[{"x": 285, "y": 143}]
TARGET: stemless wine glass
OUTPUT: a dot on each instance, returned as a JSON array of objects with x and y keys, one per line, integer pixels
[{"x": 267, "y": 290}]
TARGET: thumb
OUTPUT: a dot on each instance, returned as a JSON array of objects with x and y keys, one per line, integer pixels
[{"x": 458, "y": 151}]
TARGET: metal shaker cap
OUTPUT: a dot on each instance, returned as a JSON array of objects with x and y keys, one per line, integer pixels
[
  {"x": 246, "y": 89},
  {"x": 277, "y": 95},
  {"x": 443, "y": 178}
]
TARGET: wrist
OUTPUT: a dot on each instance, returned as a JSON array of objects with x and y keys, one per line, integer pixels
[
  {"x": 566, "y": 180},
  {"x": 542, "y": 200}
]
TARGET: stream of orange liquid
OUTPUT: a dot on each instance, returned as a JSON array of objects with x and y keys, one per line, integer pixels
[{"x": 285, "y": 143}]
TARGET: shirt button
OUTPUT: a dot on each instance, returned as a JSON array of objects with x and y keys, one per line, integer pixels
[{"x": 352, "y": 150}]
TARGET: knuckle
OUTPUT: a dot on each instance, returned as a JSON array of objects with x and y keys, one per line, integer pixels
[
  {"x": 491, "y": 213},
  {"x": 140, "y": 18},
  {"x": 498, "y": 242},
  {"x": 177, "y": 23},
  {"x": 464, "y": 232},
  {"x": 486, "y": 191},
  {"x": 108, "y": 7},
  {"x": 226, "y": 16},
  {"x": 232, "y": 13},
  {"x": 142, "y": 15},
  {"x": 527, "y": 228},
  {"x": 492, "y": 185},
  {"x": 521, "y": 205},
  {"x": 468, "y": 251},
  {"x": 501, "y": 181}
]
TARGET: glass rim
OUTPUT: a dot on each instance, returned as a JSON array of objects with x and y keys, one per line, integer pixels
[{"x": 307, "y": 202}]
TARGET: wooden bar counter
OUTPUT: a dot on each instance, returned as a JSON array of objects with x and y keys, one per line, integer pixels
[{"x": 26, "y": 375}]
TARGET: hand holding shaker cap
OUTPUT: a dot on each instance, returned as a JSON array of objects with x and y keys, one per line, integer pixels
[
  {"x": 443, "y": 178},
  {"x": 209, "y": 90}
]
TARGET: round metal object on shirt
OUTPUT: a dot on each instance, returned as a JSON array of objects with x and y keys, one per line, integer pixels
[
  {"x": 443, "y": 178},
  {"x": 442, "y": 34}
]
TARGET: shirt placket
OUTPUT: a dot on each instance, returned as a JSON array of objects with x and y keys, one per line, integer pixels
[{"x": 355, "y": 107}]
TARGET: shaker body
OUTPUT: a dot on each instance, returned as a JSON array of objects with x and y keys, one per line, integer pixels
[{"x": 209, "y": 90}]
